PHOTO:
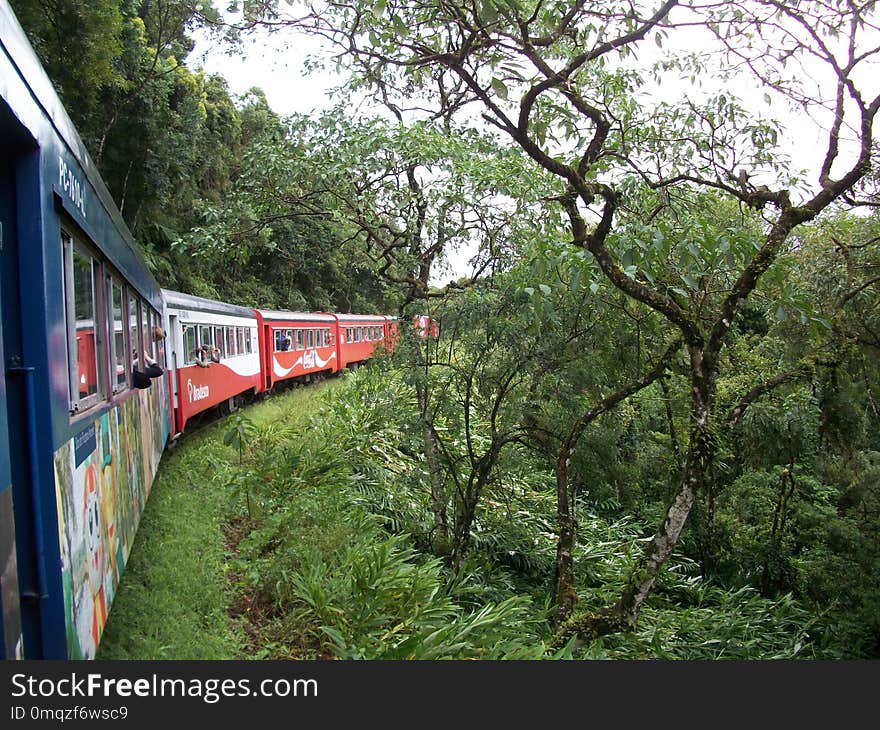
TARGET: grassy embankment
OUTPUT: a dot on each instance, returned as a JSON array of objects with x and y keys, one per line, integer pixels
[{"x": 175, "y": 595}]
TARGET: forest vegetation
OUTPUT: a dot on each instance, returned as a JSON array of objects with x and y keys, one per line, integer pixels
[{"x": 650, "y": 426}]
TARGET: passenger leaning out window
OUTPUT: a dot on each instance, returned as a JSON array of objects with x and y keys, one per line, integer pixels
[{"x": 143, "y": 377}]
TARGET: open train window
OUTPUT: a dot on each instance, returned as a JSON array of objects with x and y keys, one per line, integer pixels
[
  {"x": 247, "y": 340},
  {"x": 206, "y": 336},
  {"x": 220, "y": 341},
  {"x": 158, "y": 343},
  {"x": 85, "y": 324},
  {"x": 133, "y": 327},
  {"x": 190, "y": 344},
  {"x": 146, "y": 331},
  {"x": 119, "y": 336}
]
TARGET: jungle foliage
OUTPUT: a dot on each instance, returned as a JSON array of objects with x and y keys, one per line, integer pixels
[{"x": 650, "y": 424}]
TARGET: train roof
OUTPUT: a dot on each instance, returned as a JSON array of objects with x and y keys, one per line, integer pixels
[
  {"x": 21, "y": 55},
  {"x": 179, "y": 300},
  {"x": 361, "y": 317},
  {"x": 280, "y": 316}
]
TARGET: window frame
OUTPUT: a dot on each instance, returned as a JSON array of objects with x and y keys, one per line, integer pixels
[
  {"x": 115, "y": 283},
  {"x": 72, "y": 243}
]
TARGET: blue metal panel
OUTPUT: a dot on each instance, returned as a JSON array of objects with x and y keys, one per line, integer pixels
[
  {"x": 11, "y": 644},
  {"x": 28, "y": 417}
]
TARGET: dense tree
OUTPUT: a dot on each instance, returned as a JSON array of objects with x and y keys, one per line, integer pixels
[{"x": 555, "y": 80}]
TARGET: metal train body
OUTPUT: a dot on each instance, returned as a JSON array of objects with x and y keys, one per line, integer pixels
[
  {"x": 79, "y": 444},
  {"x": 219, "y": 352}
]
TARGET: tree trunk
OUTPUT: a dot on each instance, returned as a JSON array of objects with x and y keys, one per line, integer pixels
[
  {"x": 565, "y": 522},
  {"x": 698, "y": 464},
  {"x": 440, "y": 537},
  {"x": 700, "y": 454}
]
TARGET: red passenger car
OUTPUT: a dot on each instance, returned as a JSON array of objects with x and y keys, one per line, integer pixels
[
  {"x": 296, "y": 345},
  {"x": 361, "y": 335},
  {"x": 213, "y": 355}
]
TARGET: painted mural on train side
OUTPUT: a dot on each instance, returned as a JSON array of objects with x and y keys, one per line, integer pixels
[{"x": 102, "y": 479}]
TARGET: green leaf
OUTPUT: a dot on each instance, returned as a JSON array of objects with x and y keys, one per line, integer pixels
[
  {"x": 499, "y": 87},
  {"x": 691, "y": 282}
]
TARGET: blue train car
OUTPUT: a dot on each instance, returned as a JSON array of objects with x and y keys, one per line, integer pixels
[{"x": 79, "y": 444}]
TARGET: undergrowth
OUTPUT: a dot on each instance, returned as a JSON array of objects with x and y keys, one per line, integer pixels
[{"x": 299, "y": 530}]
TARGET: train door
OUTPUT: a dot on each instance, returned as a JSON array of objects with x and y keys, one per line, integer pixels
[
  {"x": 33, "y": 604},
  {"x": 11, "y": 639},
  {"x": 11, "y": 645},
  {"x": 173, "y": 347}
]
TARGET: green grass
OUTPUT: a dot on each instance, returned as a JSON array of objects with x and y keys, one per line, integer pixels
[{"x": 175, "y": 595}]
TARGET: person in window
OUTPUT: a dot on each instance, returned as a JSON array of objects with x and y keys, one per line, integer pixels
[
  {"x": 288, "y": 343},
  {"x": 203, "y": 356},
  {"x": 143, "y": 377}
]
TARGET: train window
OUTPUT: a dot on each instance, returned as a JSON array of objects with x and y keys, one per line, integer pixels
[
  {"x": 133, "y": 338},
  {"x": 242, "y": 348},
  {"x": 326, "y": 338},
  {"x": 310, "y": 338},
  {"x": 118, "y": 344},
  {"x": 205, "y": 336},
  {"x": 299, "y": 340},
  {"x": 230, "y": 341},
  {"x": 145, "y": 329},
  {"x": 158, "y": 344},
  {"x": 220, "y": 340},
  {"x": 84, "y": 324},
  {"x": 190, "y": 343},
  {"x": 248, "y": 341},
  {"x": 279, "y": 340}
]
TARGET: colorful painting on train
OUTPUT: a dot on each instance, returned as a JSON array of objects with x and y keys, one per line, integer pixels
[{"x": 102, "y": 481}]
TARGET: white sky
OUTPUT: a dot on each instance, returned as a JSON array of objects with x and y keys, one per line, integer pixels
[{"x": 275, "y": 63}]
